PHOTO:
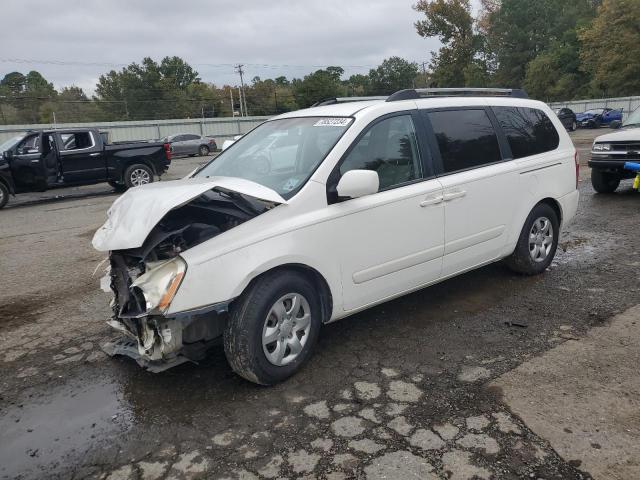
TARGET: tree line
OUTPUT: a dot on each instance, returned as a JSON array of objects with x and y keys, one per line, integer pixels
[
  {"x": 556, "y": 50},
  {"x": 171, "y": 88}
]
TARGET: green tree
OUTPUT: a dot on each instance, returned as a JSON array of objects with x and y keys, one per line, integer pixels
[
  {"x": 452, "y": 23},
  {"x": 148, "y": 90},
  {"x": 520, "y": 30},
  {"x": 392, "y": 75},
  {"x": 611, "y": 48},
  {"x": 319, "y": 85}
]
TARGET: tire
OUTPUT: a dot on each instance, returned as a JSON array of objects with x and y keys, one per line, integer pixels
[
  {"x": 604, "y": 182},
  {"x": 574, "y": 126},
  {"x": 137, "y": 174},
  {"x": 542, "y": 222},
  {"x": 253, "y": 315},
  {"x": 4, "y": 195},
  {"x": 203, "y": 150},
  {"x": 117, "y": 186},
  {"x": 597, "y": 124}
]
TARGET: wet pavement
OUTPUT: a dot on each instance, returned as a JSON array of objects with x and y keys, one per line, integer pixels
[{"x": 402, "y": 390}]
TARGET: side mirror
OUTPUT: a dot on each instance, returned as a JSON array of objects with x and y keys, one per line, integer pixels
[
  {"x": 7, "y": 154},
  {"x": 616, "y": 124},
  {"x": 358, "y": 183}
]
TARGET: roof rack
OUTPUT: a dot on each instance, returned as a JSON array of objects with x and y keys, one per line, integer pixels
[
  {"x": 335, "y": 100},
  {"x": 415, "y": 93}
]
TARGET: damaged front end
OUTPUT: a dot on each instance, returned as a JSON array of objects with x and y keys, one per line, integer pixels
[{"x": 145, "y": 279}]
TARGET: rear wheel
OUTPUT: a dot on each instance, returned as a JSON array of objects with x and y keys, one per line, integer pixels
[
  {"x": 137, "y": 175},
  {"x": 204, "y": 150},
  {"x": 273, "y": 327},
  {"x": 537, "y": 243},
  {"x": 574, "y": 126},
  {"x": 4, "y": 195},
  {"x": 604, "y": 182}
]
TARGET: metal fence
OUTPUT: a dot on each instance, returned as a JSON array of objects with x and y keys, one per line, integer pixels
[
  {"x": 627, "y": 104},
  {"x": 219, "y": 128}
]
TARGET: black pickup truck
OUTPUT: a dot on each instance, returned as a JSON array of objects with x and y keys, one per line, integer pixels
[{"x": 41, "y": 160}]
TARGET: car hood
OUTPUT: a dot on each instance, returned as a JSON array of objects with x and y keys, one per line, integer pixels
[
  {"x": 584, "y": 116},
  {"x": 621, "y": 135},
  {"x": 136, "y": 212}
]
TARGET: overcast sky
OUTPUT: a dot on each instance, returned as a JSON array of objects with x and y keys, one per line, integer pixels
[{"x": 293, "y": 37}]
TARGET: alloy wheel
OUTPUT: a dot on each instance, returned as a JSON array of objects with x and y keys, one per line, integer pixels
[{"x": 140, "y": 177}]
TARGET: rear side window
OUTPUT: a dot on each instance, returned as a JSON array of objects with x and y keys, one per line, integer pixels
[
  {"x": 77, "y": 141},
  {"x": 466, "y": 139},
  {"x": 528, "y": 130}
]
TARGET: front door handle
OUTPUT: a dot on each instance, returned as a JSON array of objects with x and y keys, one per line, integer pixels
[
  {"x": 434, "y": 200},
  {"x": 453, "y": 195}
]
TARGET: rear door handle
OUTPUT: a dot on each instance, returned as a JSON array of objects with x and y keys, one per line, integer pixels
[
  {"x": 453, "y": 195},
  {"x": 434, "y": 200}
]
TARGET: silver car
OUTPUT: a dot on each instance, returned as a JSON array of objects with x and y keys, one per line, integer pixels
[{"x": 190, "y": 144}]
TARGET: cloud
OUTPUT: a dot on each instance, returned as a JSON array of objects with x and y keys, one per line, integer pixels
[{"x": 281, "y": 37}]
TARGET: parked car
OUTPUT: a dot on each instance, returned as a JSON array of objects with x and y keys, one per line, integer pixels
[
  {"x": 598, "y": 117},
  {"x": 262, "y": 257},
  {"x": 191, "y": 144},
  {"x": 568, "y": 118},
  {"x": 42, "y": 160},
  {"x": 609, "y": 153}
]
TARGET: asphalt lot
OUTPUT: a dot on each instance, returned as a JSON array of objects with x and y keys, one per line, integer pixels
[{"x": 426, "y": 386}]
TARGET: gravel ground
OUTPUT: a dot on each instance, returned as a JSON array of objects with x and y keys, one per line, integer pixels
[{"x": 402, "y": 390}]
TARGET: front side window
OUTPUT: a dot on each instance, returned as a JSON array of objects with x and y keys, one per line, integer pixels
[
  {"x": 389, "y": 148},
  {"x": 30, "y": 144},
  {"x": 466, "y": 139},
  {"x": 280, "y": 154},
  {"x": 528, "y": 130}
]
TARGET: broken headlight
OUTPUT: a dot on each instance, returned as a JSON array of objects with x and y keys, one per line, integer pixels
[{"x": 160, "y": 283}]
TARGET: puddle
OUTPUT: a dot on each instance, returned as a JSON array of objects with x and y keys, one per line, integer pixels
[{"x": 59, "y": 428}]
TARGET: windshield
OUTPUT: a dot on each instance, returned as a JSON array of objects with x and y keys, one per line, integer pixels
[
  {"x": 6, "y": 145},
  {"x": 633, "y": 119},
  {"x": 280, "y": 154}
]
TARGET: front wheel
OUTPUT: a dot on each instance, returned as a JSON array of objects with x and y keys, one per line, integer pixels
[
  {"x": 604, "y": 182},
  {"x": 537, "y": 243},
  {"x": 574, "y": 126},
  {"x": 4, "y": 195},
  {"x": 273, "y": 327},
  {"x": 204, "y": 150},
  {"x": 137, "y": 175}
]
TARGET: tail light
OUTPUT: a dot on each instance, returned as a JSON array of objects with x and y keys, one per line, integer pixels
[
  {"x": 212, "y": 142},
  {"x": 576, "y": 158},
  {"x": 167, "y": 151}
]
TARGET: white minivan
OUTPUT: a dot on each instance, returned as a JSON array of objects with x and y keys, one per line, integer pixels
[{"x": 371, "y": 200}]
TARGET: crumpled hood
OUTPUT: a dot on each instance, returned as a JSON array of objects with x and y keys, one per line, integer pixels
[
  {"x": 136, "y": 212},
  {"x": 622, "y": 135}
]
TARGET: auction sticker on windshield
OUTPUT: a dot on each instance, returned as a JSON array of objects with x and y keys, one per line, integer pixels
[{"x": 332, "y": 122}]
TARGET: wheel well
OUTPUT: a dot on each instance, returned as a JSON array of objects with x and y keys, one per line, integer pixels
[
  {"x": 553, "y": 203},
  {"x": 6, "y": 184},
  {"x": 326, "y": 299}
]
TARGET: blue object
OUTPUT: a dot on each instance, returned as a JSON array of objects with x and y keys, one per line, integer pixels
[
  {"x": 634, "y": 167},
  {"x": 603, "y": 115}
]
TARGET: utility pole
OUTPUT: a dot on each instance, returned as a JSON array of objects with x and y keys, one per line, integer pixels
[
  {"x": 242, "y": 98},
  {"x": 232, "y": 107}
]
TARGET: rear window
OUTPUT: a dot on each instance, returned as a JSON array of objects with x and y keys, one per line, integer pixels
[
  {"x": 466, "y": 139},
  {"x": 528, "y": 130}
]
